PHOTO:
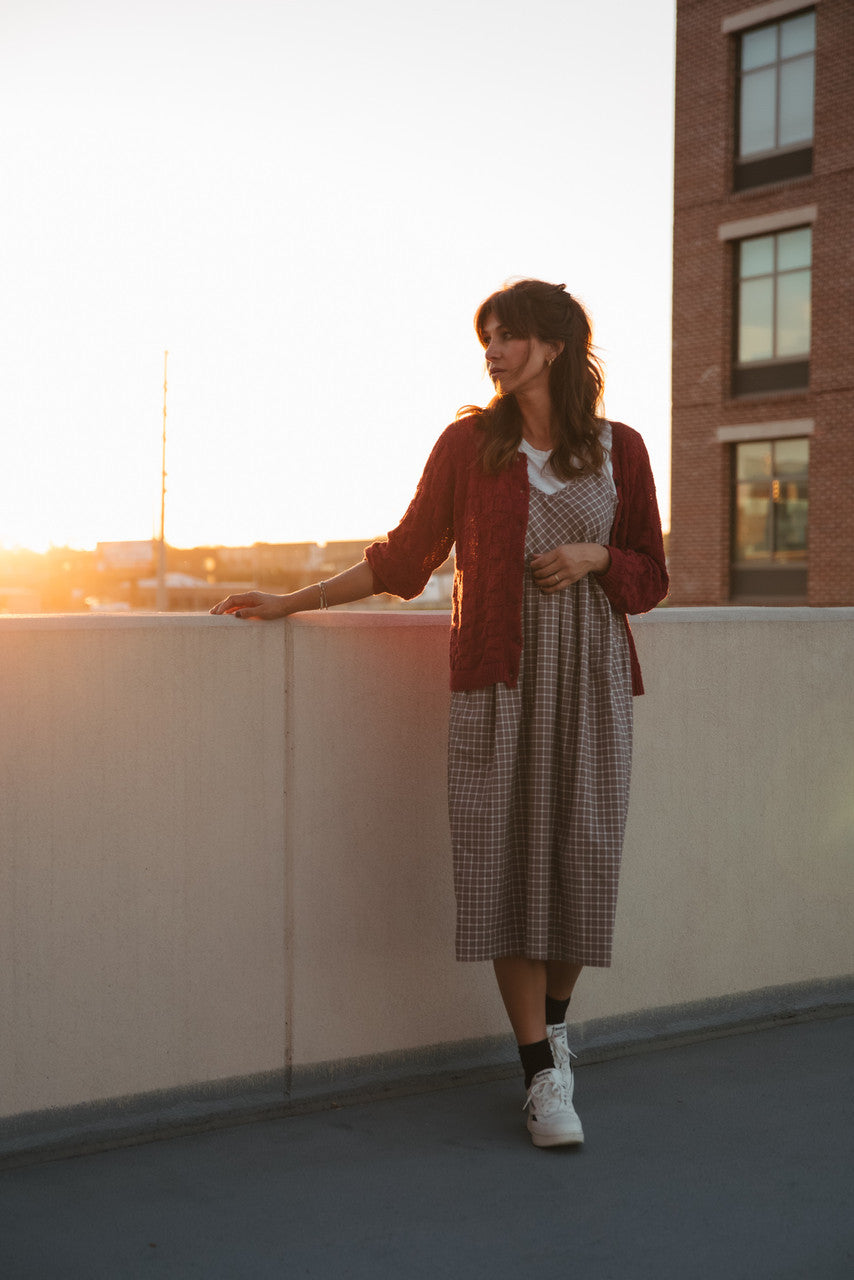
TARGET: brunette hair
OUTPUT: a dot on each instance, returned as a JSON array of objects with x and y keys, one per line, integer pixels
[{"x": 535, "y": 309}]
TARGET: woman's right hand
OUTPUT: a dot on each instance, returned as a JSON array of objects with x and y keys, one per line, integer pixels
[{"x": 254, "y": 604}]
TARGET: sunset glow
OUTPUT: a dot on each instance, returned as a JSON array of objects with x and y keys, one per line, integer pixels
[{"x": 304, "y": 205}]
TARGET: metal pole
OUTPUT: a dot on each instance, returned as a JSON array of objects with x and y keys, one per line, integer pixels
[{"x": 162, "y": 594}]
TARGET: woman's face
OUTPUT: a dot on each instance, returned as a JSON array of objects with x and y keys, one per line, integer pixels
[{"x": 515, "y": 364}]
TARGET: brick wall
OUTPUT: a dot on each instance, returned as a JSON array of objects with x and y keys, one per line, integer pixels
[{"x": 703, "y": 311}]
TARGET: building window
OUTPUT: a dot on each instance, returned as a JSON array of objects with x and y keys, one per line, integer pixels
[
  {"x": 769, "y": 554},
  {"x": 772, "y": 337},
  {"x": 775, "y": 101}
]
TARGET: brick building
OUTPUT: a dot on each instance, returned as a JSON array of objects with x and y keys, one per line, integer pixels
[{"x": 763, "y": 304}]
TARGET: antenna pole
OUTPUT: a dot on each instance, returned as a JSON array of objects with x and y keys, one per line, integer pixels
[{"x": 162, "y": 595}]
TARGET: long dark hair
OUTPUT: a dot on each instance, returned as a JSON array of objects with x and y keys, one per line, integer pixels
[{"x": 535, "y": 309}]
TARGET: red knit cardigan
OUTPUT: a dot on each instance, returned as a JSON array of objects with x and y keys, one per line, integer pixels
[{"x": 487, "y": 516}]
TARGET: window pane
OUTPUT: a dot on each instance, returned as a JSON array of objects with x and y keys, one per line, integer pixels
[
  {"x": 753, "y": 529},
  {"x": 791, "y": 457},
  {"x": 771, "y": 509},
  {"x": 758, "y": 93},
  {"x": 756, "y": 320},
  {"x": 797, "y": 35},
  {"x": 757, "y": 257},
  {"x": 753, "y": 461},
  {"x": 790, "y": 521},
  {"x": 793, "y": 314},
  {"x": 794, "y": 249},
  {"x": 796, "y": 101},
  {"x": 758, "y": 48}
]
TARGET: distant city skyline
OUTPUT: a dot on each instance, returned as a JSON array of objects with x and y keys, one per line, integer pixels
[
  {"x": 126, "y": 576},
  {"x": 305, "y": 206}
]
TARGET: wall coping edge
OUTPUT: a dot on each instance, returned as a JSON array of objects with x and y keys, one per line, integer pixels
[{"x": 398, "y": 619}]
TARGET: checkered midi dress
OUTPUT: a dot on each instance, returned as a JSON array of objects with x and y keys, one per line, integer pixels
[{"x": 539, "y": 775}]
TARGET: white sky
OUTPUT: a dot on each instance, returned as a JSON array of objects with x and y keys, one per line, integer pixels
[{"x": 304, "y": 201}]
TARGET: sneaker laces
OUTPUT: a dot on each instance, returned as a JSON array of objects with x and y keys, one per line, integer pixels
[
  {"x": 549, "y": 1091},
  {"x": 561, "y": 1052}
]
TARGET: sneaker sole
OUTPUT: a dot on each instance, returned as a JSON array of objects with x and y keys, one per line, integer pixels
[{"x": 556, "y": 1139}]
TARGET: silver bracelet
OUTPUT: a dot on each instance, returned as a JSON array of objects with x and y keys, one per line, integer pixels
[{"x": 324, "y": 604}]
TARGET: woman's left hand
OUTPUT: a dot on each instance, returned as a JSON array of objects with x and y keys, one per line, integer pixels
[{"x": 555, "y": 570}]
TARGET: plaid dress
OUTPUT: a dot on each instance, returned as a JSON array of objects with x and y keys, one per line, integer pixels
[{"x": 538, "y": 776}]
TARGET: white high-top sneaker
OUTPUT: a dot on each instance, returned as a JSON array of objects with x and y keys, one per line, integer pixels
[
  {"x": 552, "y": 1121},
  {"x": 561, "y": 1052}
]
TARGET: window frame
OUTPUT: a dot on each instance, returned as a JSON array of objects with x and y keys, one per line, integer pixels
[
  {"x": 775, "y": 373},
  {"x": 779, "y": 163},
  {"x": 767, "y": 578}
]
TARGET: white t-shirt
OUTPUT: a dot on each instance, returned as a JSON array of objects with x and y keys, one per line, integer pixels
[{"x": 540, "y": 474}]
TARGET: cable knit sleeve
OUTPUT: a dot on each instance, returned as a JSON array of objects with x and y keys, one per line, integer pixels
[
  {"x": 403, "y": 562},
  {"x": 637, "y": 579}
]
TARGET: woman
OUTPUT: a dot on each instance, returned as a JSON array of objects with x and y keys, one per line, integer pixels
[{"x": 558, "y": 537}]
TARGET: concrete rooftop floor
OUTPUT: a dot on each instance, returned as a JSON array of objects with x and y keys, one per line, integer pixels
[{"x": 726, "y": 1158}]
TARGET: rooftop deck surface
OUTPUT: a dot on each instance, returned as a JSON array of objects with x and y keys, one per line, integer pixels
[{"x": 729, "y": 1157}]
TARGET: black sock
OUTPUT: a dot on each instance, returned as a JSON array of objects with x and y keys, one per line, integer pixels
[
  {"x": 556, "y": 1010},
  {"x": 535, "y": 1057}
]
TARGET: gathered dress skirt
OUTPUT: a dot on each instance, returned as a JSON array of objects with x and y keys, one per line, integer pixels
[{"x": 538, "y": 775}]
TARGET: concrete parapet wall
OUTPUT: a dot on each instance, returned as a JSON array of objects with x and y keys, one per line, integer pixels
[{"x": 224, "y": 851}]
